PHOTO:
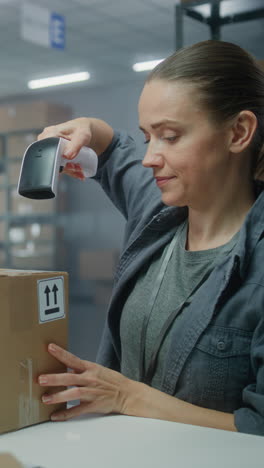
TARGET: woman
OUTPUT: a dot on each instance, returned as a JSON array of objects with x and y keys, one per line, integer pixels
[{"x": 184, "y": 339}]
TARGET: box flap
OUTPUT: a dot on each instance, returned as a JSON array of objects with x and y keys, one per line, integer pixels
[{"x": 11, "y": 272}]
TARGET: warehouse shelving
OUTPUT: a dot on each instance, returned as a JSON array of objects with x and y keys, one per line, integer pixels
[
  {"x": 215, "y": 14},
  {"x": 17, "y": 223}
]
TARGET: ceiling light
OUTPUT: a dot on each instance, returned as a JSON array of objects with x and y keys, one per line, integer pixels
[
  {"x": 144, "y": 66},
  {"x": 58, "y": 80}
]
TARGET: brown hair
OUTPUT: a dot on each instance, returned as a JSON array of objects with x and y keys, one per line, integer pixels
[{"x": 229, "y": 81}]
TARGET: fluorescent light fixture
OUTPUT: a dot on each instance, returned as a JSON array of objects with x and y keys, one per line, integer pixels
[
  {"x": 58, "y": 80},
  {"x": 144, "y": 66}
]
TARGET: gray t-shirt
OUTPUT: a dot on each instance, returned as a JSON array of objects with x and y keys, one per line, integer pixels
[{"x": 184, "y": 271}]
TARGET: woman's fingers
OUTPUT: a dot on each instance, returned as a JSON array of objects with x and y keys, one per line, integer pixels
[
  {"x": 62, "y": 130},
  {"x": 77, "y": 131},
  {"x": 63, "y": 380},
  {"x": 74, "y": 170},
  {"x": 64, "y": 415},
  {"x": 79, "y": 138},
  {"x": 67, "y": 358},
  {"x": 104, "y": 389},
  {"x": 76, "y": 393}
]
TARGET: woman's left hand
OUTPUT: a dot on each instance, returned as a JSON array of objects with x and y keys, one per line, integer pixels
[{"x": 99, "y": 389}]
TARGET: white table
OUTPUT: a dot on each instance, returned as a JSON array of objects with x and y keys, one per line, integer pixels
[{"x": 127, "y": 442}]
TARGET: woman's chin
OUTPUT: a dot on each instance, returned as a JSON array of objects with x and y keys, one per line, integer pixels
[{"x": 172, "y": 201}]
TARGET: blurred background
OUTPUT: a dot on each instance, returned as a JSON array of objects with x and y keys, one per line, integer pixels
[{"x": 81, "y": 232}]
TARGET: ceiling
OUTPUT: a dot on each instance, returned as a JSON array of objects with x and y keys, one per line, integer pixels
[{"x": 104, "y": 37}]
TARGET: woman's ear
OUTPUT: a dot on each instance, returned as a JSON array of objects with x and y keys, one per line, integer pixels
[{"x": 243, "y": 130}]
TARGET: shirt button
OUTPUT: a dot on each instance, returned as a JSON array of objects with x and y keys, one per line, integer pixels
[{"x": 221, "y": 345}]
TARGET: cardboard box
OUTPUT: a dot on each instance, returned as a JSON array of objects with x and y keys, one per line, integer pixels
[
  {"x": 8, "y": 461},
  {"x": 32, "y": 115},
  {"x": 34, "y": 312}
]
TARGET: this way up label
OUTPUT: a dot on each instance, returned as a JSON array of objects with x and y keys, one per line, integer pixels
[{"x": 51, "y": 299}]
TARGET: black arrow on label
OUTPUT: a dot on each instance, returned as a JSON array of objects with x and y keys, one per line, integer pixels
[
  {"x": 47, "y": 291},
  {"x": 54, "y": 290}
]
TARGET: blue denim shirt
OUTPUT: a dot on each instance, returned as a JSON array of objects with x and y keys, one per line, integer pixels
[{"x": 218, "y": 362}]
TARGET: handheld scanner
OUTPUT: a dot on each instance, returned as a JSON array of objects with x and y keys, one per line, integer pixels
[{"x": 43, "y": 161}]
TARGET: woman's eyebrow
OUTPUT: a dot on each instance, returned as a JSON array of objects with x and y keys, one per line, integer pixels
[
  {"x": 161, "y": 123},
  {"x": 164, "y": 122}
]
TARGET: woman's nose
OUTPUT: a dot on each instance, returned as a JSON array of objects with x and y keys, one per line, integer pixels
[{"x": 152, "y": 158}]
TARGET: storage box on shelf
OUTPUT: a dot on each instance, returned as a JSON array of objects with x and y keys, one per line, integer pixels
[{"x": 32, "y": 115}]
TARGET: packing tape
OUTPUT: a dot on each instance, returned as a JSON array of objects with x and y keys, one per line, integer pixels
[{"x": 28, "y": 405}]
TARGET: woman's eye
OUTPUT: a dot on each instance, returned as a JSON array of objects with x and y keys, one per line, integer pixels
[
  {"x": 170, "y": 138},
  {"x": 146, "y": 142}
]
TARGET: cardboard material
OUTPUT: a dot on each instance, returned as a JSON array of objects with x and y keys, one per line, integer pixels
[
  {"x": 34, "y": 312},
  {"x": 32, "y": 115},
  {"x": 8, "y": 461}
]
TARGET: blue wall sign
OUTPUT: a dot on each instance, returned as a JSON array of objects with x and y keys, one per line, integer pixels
[{"x": 57, "y": 31}]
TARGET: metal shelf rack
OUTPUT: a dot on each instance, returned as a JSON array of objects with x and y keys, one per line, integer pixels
[
  {"x": 11, "y": 219},
  {"x": 215, "y": 13}
]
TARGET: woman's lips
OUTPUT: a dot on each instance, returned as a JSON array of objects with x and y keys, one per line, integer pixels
[{"x": 163, "y": 180}]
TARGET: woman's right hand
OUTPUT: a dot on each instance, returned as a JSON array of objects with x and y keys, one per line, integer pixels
[{"x": 80, "y": 132}]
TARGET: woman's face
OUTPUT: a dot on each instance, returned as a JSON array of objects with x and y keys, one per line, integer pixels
[{"x": 189, "y": 155}]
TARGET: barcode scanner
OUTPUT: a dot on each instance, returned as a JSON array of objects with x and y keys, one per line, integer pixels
[{"x": 43, "y": 161}]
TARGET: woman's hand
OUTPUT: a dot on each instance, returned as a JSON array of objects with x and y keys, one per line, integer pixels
[
  {"x": 99, "y": 389},
  {"x": 80, "y": 132},
  {"x": 102, "y": 390},
  {"x": 77, "y": 131}
]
